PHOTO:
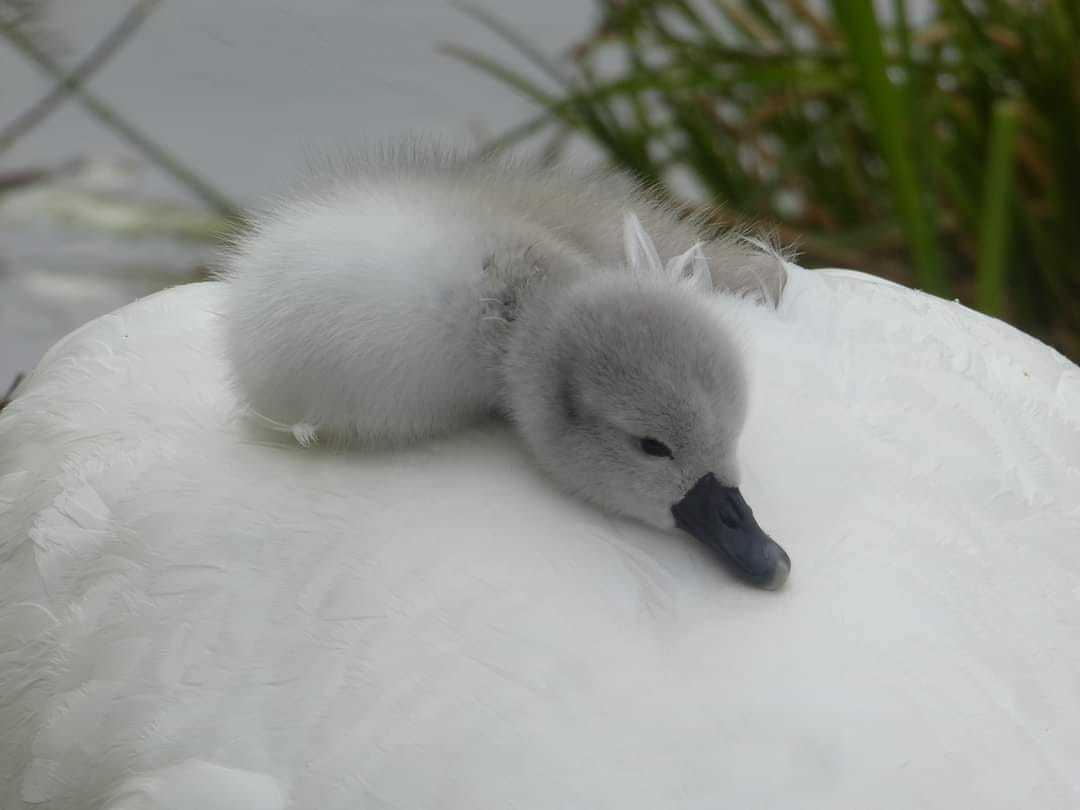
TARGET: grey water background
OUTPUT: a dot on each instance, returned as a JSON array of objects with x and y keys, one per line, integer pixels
[{"x": 245, "y": 91}]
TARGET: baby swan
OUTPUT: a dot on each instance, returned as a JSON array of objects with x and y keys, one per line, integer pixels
[{"x": 417, "y": 293}]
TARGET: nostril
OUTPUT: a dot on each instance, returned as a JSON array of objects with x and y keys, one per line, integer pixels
[
  {"x": 739, "y": 504},
  {"x": 727, "y": 513},
  {"x": 728, "y": 504}
]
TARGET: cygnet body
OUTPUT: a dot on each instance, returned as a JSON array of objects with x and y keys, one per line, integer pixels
[{"x": 412, "y": 293}]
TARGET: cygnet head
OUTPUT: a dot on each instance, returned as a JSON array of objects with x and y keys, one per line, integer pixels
[{"x": 632, "y": 395}]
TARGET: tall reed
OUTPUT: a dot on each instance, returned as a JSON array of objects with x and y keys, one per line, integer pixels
[{"x": 943, "y": 150}]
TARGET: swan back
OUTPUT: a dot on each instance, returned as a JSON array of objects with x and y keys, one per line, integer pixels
[{"x": 185, "y": 596}]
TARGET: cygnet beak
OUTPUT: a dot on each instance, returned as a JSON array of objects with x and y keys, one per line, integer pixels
[{"x": 719, "y": 517}]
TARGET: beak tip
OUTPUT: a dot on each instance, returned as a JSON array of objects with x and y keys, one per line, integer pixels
[{"x": 779, "y": 573}]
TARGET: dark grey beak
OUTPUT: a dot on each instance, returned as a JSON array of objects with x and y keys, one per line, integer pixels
[{"x": 720, "y": 518}]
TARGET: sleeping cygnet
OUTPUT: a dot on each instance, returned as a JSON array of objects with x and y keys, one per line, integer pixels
[{"x": 410, "y": 294}]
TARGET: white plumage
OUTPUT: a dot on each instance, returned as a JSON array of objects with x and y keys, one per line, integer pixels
[{"x": 195, "y": 613}]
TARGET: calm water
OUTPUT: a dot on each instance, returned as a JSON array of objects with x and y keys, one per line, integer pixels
[{"x": 246, "y": 91}]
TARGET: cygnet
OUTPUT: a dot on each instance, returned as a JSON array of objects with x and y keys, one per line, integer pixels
[{"x": 410, "y": 292}]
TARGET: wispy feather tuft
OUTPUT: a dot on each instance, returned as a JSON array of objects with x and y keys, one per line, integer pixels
[
  {"x": 690, "y": 267},
  {"x": 641, "y": 255}
]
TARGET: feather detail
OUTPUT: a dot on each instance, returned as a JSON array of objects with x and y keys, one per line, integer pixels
[
  {"x": 641, "y": 255},
  {"x": 690, "y": 268}
]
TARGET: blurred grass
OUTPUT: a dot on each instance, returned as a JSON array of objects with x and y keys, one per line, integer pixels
[
  {"x": 95, "y": 196},
  {"x": 71, "y": 84},
  {"x": 942, "y": 151},
  {"x": 23, "y": 27}
]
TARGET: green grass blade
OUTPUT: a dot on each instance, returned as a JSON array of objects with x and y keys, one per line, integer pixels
[
  {"x": 502, "y": 74},
  {"x": 513, "y": 136},
  {"x": 858, "y": 21},
  {"x": 518, "y": 41},
  {"x": 994, "y": 222}
]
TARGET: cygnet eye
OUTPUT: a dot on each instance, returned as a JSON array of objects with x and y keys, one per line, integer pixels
[{"x": 655, "y": 447}]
